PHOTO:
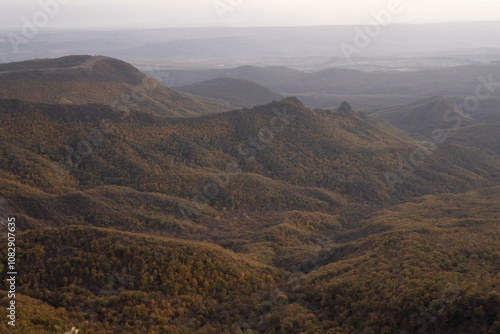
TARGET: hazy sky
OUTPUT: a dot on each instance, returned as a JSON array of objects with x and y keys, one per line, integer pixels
[{"x": 167, "y": 13}]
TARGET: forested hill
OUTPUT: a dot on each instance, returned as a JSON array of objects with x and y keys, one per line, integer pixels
[
  {"x": 236, "y": 92},
  {"x": 272, "y": 219},
  {"x": 97, "y": 79},
  {"x": 283, "y": 142}
]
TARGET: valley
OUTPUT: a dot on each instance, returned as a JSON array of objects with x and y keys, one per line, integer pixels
[{"x": 250, "y": 200}]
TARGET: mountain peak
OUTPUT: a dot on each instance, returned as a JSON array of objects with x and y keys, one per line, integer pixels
[
  {"x": 346, "y": 107},
  {"x": 293, "y": 100}
]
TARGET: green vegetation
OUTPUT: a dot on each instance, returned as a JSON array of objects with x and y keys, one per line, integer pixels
[{"x": 276, "y": 219}]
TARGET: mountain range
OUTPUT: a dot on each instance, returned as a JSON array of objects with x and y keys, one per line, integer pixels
[
  {"x": 185, "y": 217},
  {"x": 365, "y": 90}
]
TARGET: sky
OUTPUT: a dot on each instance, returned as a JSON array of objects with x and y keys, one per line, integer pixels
[{"x": 182, "y": 13}]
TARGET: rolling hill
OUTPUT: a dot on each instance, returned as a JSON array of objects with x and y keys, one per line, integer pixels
[
  {"x": 129, "y": 280},
  {"x": 423, "y": 118},
  {"x": 367, "y": 90},
  {"x": 237, "y": 93},
  {"x": 102, "y": 80},
  {"x": 417, "y": 274},
  {"x": 337, "y": 150},
  {"x": 272, "y": 219},
  {"x": 457, "y": 81}
]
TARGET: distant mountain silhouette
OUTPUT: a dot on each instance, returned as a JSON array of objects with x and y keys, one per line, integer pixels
[{"x": 327, "y": 88}]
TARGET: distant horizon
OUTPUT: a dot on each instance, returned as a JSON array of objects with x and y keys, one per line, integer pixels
[
  {"x": 157, "y": 14},
  {"x": 106, "y": 28}
]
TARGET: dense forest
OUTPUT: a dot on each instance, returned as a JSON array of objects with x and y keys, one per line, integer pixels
[{"x": 275, "y": 219}]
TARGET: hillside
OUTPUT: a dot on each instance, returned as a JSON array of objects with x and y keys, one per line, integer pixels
[
  {"x": 133, "y": 281},
  {"x": 236, "y": 92},
  {"x": 334, "y": 150},
  {"x": 422, "y": 118},
  {"x": 103, "y": 80},
  {"x": 419, "y": 273},
  {"x": 271, "y": 219}
]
